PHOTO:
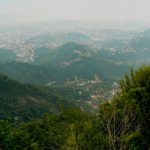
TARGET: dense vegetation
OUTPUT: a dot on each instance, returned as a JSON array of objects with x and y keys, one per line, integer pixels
[
  {"x": 121, "y": 124},
  {"x": 24, "y": 101}
]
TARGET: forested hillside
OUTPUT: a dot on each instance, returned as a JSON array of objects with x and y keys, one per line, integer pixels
[
  {"x": 65, "y": 63},
  {"x": 121, "y": 123},
  {"x": 25, "y": 102},
  {"x": 74, "y": 75},
  {"x": 63, "y": 84}
]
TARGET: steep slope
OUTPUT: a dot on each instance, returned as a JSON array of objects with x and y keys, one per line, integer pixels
[{"x": 23, "y": 101}]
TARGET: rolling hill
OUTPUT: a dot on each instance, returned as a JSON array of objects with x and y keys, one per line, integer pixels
[{"x": 65, "y": 63}]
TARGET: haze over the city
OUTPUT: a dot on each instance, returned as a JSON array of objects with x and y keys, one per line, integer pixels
[{"x": 37, "y": 10}]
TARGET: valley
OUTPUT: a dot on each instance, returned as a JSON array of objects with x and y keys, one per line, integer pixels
[
  {"x": 80, "y": 64},
  {"x": 74, "y": 75}
]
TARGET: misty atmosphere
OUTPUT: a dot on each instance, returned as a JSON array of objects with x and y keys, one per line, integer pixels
[{"x": 74, "y": 75}]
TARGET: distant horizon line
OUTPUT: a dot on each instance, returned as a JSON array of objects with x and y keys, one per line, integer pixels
[{"x": 18, "y": 19}]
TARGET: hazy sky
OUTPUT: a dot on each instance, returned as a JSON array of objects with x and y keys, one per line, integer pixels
[{"x": 76, "y": 9}]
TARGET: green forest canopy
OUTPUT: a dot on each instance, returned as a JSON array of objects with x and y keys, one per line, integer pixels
[{"x": 122, "y": 123}]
